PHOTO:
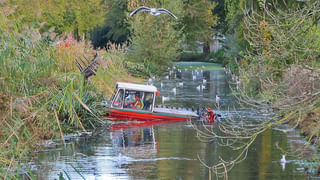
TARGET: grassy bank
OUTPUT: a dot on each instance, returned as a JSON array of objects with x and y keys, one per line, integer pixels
[
  {"x": 42, "y": 93},
  {"x": 199, "y": 65}
]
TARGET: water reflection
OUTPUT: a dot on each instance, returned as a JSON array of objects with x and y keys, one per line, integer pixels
[{"x": 134, "y": 142}]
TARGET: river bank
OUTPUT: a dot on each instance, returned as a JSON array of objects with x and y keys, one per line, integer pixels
[{"x": 43, "y": 96}]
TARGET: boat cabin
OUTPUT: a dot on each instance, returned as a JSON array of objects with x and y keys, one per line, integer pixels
[{"x": 134, "y": 96}]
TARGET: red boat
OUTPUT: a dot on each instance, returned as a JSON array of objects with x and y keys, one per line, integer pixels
[{"x": 132, "y": 102}]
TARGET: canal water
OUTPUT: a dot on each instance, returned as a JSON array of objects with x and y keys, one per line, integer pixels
[{"x": 170, "y": 150}]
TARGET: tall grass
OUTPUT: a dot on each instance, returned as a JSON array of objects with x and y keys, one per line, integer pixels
[{"x": 42, "y": 94}]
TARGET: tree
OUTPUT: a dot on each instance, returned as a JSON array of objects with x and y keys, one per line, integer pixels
[
  {"x": 282, "y": 60},
  {"x": 66, "y": 16},
  {"x": 77, "y": 17},
  {"x": 220, "y": 12},
  {"x": 115, "y": 28},
  {"x": 198, "y": 22},
  {"x": 156, "y": 40}
]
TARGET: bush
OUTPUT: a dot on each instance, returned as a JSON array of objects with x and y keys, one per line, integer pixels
[
  {"x": 217, "y": 57},
  {"x": 136, "y": 69},
  {"x": 191, "y": 56}
]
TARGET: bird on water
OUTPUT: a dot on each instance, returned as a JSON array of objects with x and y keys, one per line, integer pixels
[
  {"x": 153, "y": 11},
  {"x": 283, "y": 162},
  {"x": 217, "y": 99},
  {"x": 283, "y": 159}
]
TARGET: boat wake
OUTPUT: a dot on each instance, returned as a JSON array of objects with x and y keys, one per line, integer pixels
[{"x": 122, "y": 160}]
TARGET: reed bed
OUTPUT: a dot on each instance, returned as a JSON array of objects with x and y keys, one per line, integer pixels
[{"x": 42, "y": 93}]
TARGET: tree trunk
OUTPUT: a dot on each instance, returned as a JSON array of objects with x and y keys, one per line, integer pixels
[
  {"x": 76, "y": 32},
  {"x": 206, "y": 48}
]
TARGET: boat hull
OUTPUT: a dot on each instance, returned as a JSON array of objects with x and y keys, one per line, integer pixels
[{"x": 131, "y": 115}]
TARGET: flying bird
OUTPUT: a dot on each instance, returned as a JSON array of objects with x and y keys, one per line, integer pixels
[{"x": 153, "y": 11}]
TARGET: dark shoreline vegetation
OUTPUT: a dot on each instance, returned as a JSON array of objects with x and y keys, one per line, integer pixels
[{"x": 271, "y": 51}]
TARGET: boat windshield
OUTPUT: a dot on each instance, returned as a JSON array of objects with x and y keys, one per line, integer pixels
[
  {"x": 118, "y": 102},
  {"x": 138, "y": 100},
  {"x": 114, "y": 93}
]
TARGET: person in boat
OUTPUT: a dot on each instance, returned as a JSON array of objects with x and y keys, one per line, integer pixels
[
  {"x": 137, "y": 104},
  {"x": 148, "y": 101}
]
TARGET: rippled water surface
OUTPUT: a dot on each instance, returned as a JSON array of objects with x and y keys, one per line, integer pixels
[{"x": 170, "y": 150}]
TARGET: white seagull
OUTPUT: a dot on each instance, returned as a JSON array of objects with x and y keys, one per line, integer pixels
[
  {"x": 174, "y": 90},
  {"x": 153, "y": 11},
  {"x": 283, "y": 162},
  {"x": 201, "y": 87},
  {"x": 163, "y": 98},
  {"x": 283, "y": 159},
  {"x": 217, "y": 99}
]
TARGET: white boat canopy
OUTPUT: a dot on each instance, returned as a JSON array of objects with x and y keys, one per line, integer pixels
[{"x": 137, "y": 87}]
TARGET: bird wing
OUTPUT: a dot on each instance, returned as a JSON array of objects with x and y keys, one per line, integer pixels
[
  {"x": 162, "y": 10},
  {"x": 142, "y": 8}
]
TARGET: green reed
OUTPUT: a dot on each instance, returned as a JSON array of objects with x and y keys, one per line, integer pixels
[{"x": 42, "y": 93}]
